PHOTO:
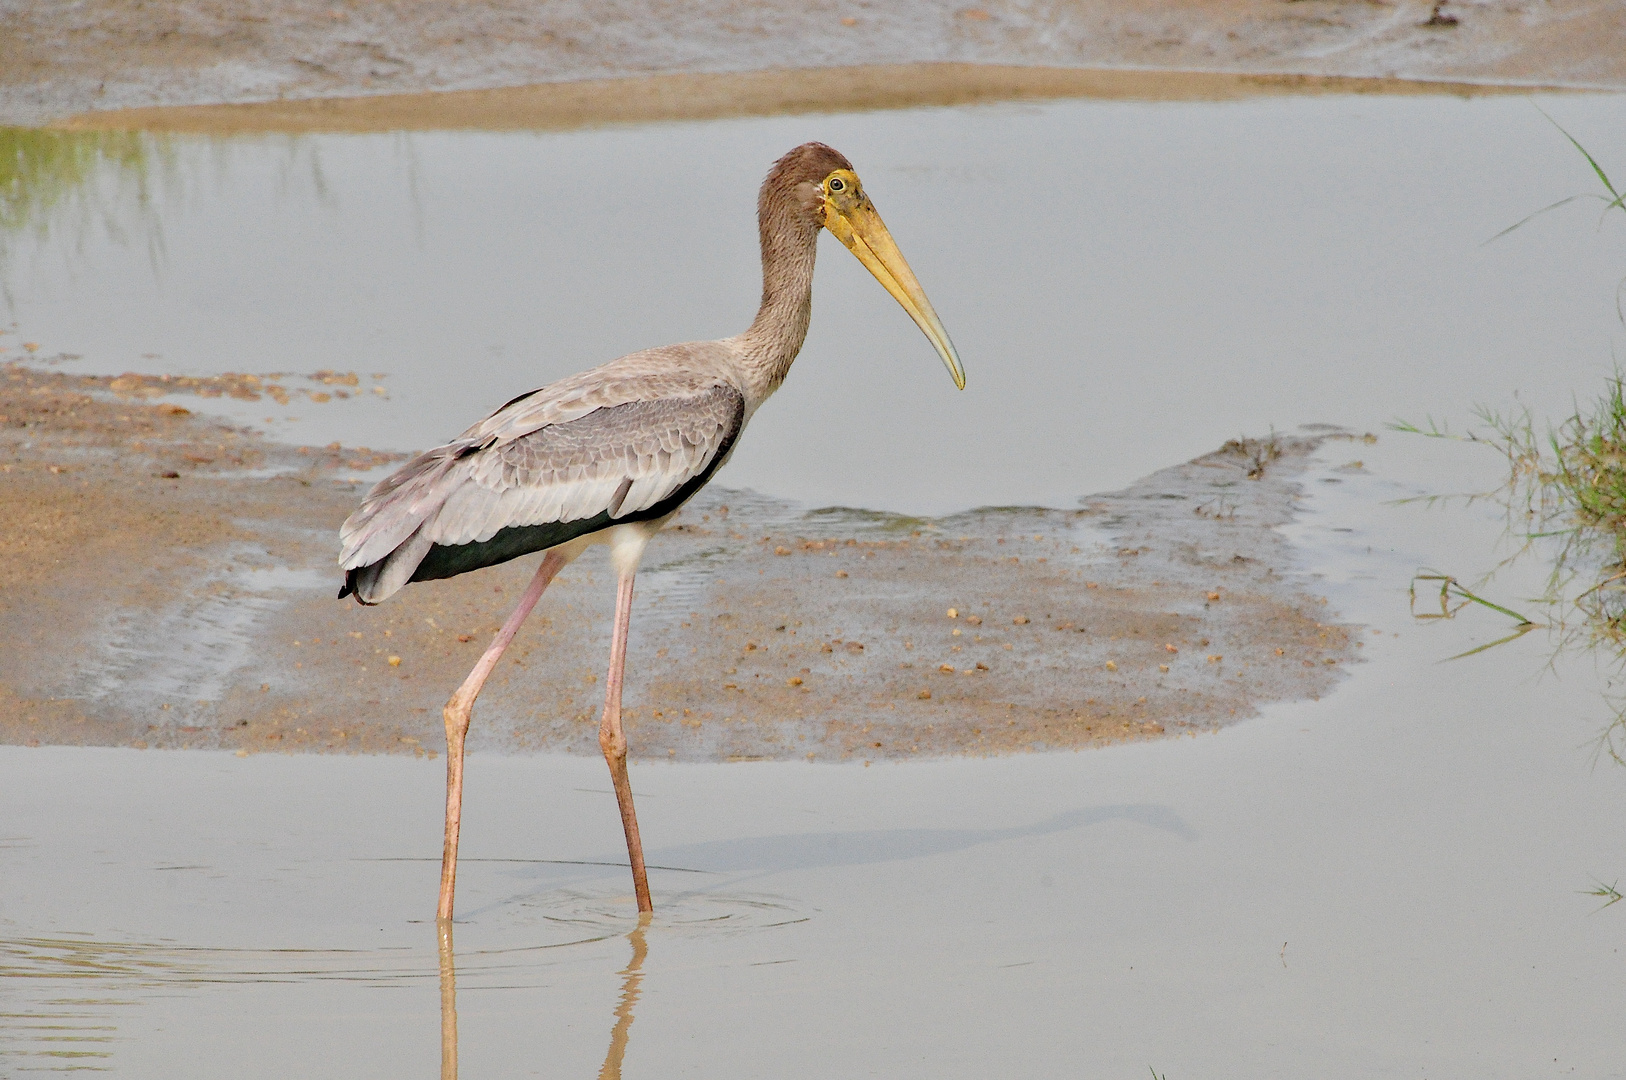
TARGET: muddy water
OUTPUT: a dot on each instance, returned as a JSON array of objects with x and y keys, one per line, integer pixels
[
  {"x": 1130, "y": 284},
  {"x": 1386, "y": 882}
]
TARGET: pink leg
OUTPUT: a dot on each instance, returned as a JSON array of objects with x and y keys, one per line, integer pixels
[
  {"x": 457, "y": 713},
  {"x": 613, "y": 741}
]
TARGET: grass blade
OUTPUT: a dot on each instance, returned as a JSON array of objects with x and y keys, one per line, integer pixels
[
  {"x": 1603, "y": 176},
  {"x": 1523, "y": 629},
  {"x": 1531, "y": 217}
]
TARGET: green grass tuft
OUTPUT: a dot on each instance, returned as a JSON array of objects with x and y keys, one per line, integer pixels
[
  {"x": 1609, "y": 893},
  {"x": 1565, "y": 493}
]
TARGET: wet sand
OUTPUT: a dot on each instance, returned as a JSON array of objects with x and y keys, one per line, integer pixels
[
  {"x": 170, "y": 583},
  {"x": 60, "y": 60}
]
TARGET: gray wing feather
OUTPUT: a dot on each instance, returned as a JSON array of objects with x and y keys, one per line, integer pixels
[{"x": 621, "y": 458}]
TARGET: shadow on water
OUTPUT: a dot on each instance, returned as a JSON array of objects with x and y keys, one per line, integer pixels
[
  {"x": 560, "y": 890},
  {"x": 632, "y": 979},
  {"x": 817, "y": 851}
]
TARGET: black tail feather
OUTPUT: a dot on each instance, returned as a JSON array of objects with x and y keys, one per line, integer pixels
[{"x": 352, "y": 583}]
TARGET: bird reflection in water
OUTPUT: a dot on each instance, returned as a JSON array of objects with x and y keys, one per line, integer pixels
[
  {"x": 448, "y": 1004},
  {"x": 632, "y": 978}
]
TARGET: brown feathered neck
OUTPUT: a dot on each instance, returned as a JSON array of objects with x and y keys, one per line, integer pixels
[{"x": 788, "y": 208}]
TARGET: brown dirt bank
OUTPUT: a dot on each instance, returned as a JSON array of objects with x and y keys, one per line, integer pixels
[
  {"x": 655, "y": 98},
  {"x": 57, "y": 60},
  {"x": 169, "y": 582}
]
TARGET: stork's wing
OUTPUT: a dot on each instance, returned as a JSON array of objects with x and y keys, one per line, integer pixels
[
  {"x": 623, "y": 462},
  {"x": 619, "y": 460}
]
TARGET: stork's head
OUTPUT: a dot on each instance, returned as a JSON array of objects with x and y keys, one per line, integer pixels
[{"x": 825, "y": 191}]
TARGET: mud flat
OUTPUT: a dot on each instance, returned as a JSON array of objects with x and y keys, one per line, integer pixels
[
  {"x": 170, "y": 583},
  {"x": 60, "y": 60}
]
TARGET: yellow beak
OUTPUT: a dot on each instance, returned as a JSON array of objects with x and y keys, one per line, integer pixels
[{"x": 865, "y": 235}]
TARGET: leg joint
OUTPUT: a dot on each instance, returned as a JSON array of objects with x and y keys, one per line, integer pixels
[{"x": 457, "y": 713}]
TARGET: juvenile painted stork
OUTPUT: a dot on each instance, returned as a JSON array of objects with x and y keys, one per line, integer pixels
[{"x": 609, "y": 455}]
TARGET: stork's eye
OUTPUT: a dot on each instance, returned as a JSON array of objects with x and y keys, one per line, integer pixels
[{"x": 837, "y": 184}]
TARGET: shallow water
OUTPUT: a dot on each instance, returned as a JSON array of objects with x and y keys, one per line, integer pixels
[
  {"x": 1389, "y": 881},
  {"x": 1129, "y": 284}
]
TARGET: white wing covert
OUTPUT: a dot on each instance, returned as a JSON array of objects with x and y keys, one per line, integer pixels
[
  {"x": 619, "y": 460},
  {"x": 551, "y": 456}
]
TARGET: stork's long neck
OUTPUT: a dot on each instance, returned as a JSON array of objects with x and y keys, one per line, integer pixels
[{"x": 789, "y": 243}]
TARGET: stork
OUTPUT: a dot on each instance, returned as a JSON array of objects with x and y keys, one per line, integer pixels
[{"x": 609, "y": 455}]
